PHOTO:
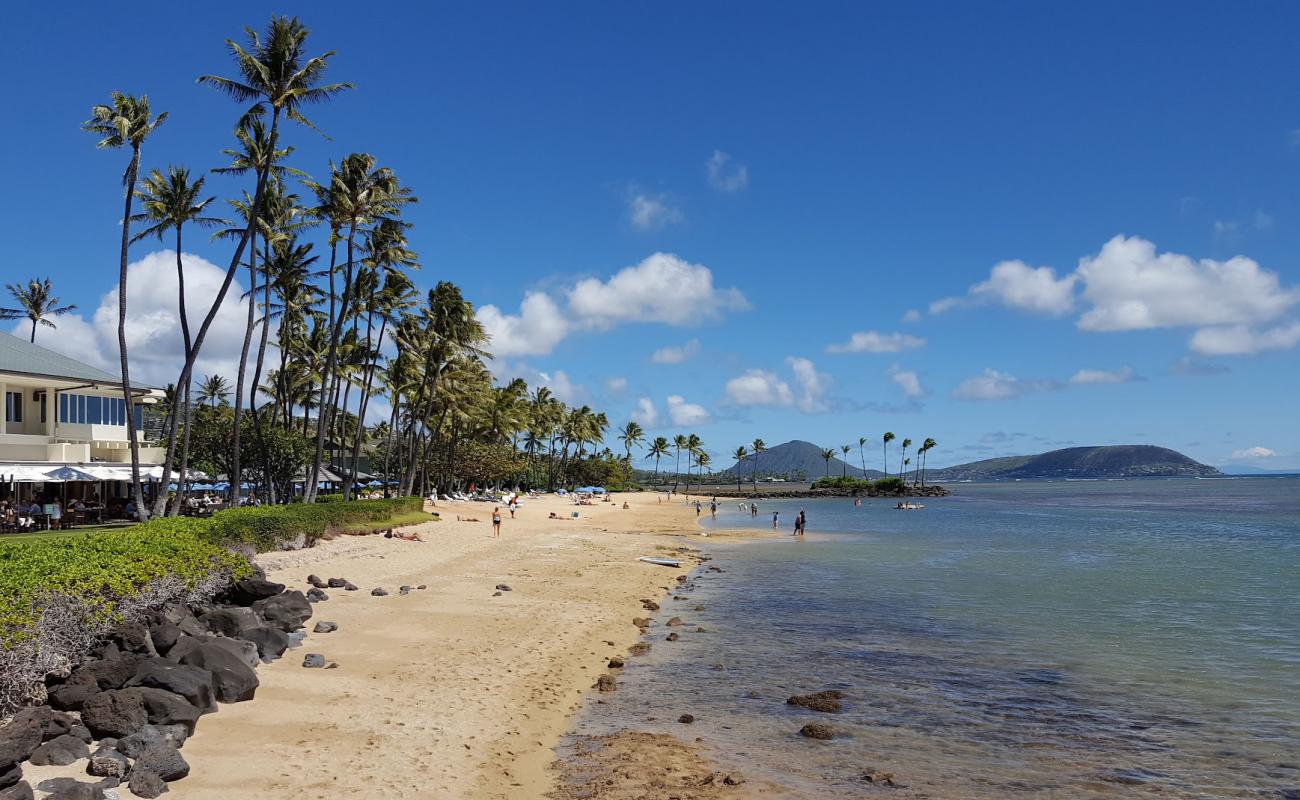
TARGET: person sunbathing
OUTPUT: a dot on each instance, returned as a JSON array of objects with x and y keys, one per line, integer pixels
[
  {"x": 398, "y": 533},
  {"x": 459, "y": 518}
]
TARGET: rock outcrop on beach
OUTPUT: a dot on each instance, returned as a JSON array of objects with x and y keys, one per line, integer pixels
[{"x": 128, "y": 709}]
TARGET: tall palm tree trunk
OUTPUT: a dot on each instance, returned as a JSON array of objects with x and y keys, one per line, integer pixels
[
  {"x": 137, "y": 491},
  {"x": 235, "y": 261},
  {"x": 235, "y": 469},
  {"x": 372, "y": 355},
  {"x": 257, "y": 377},
  {"x": 313, "y": 475},
  {"x": 331, "y": 358}
]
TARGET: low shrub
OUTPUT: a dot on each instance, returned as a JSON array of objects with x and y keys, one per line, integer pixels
[
  {"x": 59, "y": 596},
  {"x": 891, "y": 485}
]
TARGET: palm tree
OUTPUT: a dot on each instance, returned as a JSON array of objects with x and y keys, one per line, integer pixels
[
  {"x": 906, "y": 444},
  {"x": 827, "y": 455},
  {"x": 862, "y": 454},
  {"x": 887, "y": 438},
  {"x": 126, "y": 122},
  {"x": 679, "y": 444},
  {"x": 658, "y": 448},
  {"x": 926, "y": 447},
  {"x": 36, "y": 302},
  {"x": 844, "y": 464},
  {"x": 631, "y": 435},
  {"x": 694, "y": 446},
  {"x": 214, "y": 390},
  {"x": 740, "y": 455},
  {"x": 273, "y": 73},
  {"x": 758, "y": 446}
]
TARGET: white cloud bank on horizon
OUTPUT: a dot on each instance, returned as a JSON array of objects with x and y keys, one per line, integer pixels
[
  {"x": 1233, "y": 305},
  {"x": 765, "y": 389},
  {"x": 153, "y": 332},
  {"x": 662, "y": 288},
  {"x": 675, "y": 354},
  {"x": 876, "y": 342},
  {"x": 1252, "y": 453},
  {"x": 724, "y": 175}
]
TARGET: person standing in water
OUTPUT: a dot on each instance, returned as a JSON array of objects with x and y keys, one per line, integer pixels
[
  {"x": 775, "y": 514},
  {"x": 496, "y": 522},
  {"x": 697, "y": 508},
  {"x": 713, "y": 509}
]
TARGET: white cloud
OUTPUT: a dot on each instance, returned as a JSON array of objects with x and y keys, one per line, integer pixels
[
  {"x": 1236, "y": 340},
  {"x": 645, "y": 413},
  {"x": 677, "y": 354},
  {"x": 724, "y": 178},
  {"x": 995, "y": 385},
  {"x": 1124, "y": 375},
  {"x": 535, "y": 330},
  {"x": 1226, "y": 229},
  {"x": 908, "y": 381},
  {"x": 758, "y": 387},
  {"x": 662, "y": 288},
  {"x": 683, "y": 413},
  {"x": 911, "y": 316},
  {"x": 813, "y": 385},
  {"x": 875, "y": 342},
  {"x": 1253, "y": 453},
  {"x": 1263, "y": 221},
  {"x": 153, "y": 334},
  {"x": 1015, "y": 284},
  {"x": 1132, "y": 287},
  {"x": 616, "y": 385},
  {"x": 648, "y": 211},
  {"x": 559, "y": 382}
]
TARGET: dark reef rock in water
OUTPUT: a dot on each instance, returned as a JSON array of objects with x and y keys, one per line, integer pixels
[
  {"x": 827, "y": 702},
  {"x": 815, "y": 730}
]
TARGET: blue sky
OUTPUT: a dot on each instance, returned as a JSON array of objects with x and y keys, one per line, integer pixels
[{"x": 766, "y": 181}]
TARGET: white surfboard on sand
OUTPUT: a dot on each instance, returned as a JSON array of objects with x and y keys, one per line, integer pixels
[{"x": 663, "y": 562}]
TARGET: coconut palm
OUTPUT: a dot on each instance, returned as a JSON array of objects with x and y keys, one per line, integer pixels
[
  {"x": 126, "y": 122},
  {"x": 658, "y": 449},
  {"x": 274, "y": 73},
  {"x": 214, "y": 390},
  {"x": 862, "y": 454},
  {"x": 926, "y": 447},
  {"x": 631, "y": 436},
  {"x": 36, "y": 301},
  {"x": 679, "y": 444},
  {"x": 887, "y": 438},
  {"x": 903, "y": 458},
  {"x": 740, "y": 455},
  {"x": 758, "y": 446},
  {"x": 694, "y": 446},
  {"x": 844, "y": 464},
  {"x": 827, "y": 455}
]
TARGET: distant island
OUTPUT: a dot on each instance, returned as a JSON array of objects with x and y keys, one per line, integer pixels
[
  {"x": 1110, "y": 461},
  {"x": 803, "y": 461}
]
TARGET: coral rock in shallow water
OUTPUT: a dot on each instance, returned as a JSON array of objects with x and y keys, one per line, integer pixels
[
  {"x": 606, "y": 683},
  {"x": 827, "y": 702},
  {"x": 815, "y": 730}
]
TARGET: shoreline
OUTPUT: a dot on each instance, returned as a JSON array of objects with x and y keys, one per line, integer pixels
[{"x": 449, "y": 692}]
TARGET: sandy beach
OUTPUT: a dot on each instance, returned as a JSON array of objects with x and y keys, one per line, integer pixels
[{"x": 448, "y": 692}]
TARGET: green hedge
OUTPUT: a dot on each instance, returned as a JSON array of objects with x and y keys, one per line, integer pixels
[
  {"x": 266, "y": 528},
  {"x": 890, "y": 485},
  {"x": 101, "y": 569}
]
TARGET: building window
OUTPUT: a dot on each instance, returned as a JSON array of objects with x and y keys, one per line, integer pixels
[{"x": 13, "y": 406}]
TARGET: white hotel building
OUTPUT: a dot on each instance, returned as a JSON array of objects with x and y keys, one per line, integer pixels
[{"x": 59, "y": 412}]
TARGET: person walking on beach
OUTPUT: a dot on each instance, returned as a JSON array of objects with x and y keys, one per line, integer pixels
[
  {"x": 697, "y": 508},
  {"x": 803, "y": 522},
  {"x": 713, "y": 509},
  {"x": 496, "y": 522}
]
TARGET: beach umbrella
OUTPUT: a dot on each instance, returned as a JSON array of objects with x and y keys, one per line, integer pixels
[{"x": 64, "y": 474}]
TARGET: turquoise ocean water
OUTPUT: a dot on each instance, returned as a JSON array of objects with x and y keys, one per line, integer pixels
[{"x": 1071, "y": 640}]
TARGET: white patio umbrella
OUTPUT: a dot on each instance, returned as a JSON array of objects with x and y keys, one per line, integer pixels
[{"x": 65, "y": 474}]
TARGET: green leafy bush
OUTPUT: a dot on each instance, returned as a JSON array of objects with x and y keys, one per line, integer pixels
[
  {"x": 101, "y": 570},
  {"x": 891, "y": 485}
]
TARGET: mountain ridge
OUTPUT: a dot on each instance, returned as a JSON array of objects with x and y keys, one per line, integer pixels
[{"x": 1098, "y": 462}]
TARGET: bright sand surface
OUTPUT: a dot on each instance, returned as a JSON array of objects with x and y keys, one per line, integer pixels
[{"x": 447, "y": 692}]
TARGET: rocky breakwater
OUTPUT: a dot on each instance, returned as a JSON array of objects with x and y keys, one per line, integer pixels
[
  {"x": 127, "y": 710},
  {"x": 836, "y": 491}
]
